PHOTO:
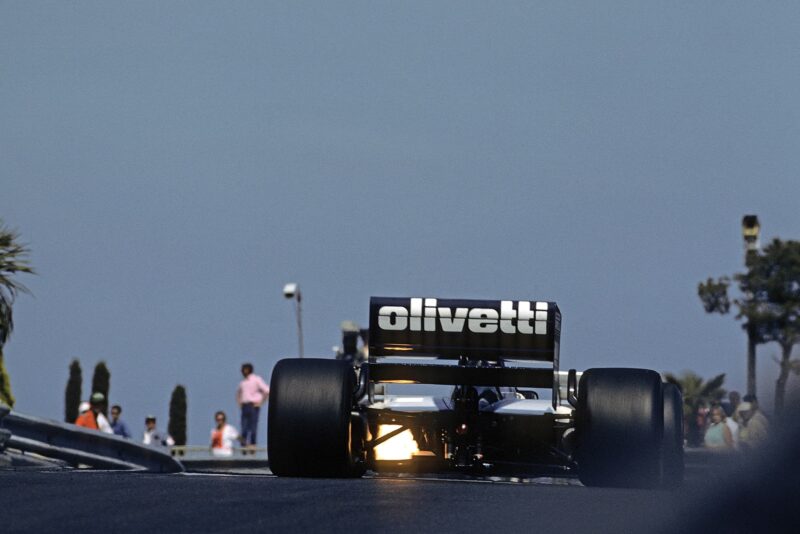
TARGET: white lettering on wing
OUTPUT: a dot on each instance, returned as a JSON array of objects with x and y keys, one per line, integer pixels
[{"x": 425, "y": 315}]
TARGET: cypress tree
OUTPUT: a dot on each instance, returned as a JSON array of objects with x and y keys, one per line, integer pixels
[
  {"x": 177, "y": 415},
  {"x": 72, "y": 395},
  {"x": 101, "y": 382}
]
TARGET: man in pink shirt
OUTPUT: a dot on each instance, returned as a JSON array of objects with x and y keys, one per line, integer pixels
[{"x": 252, "y": 393}]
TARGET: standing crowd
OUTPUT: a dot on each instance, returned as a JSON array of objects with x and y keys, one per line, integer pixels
[
  {"x": 742, "y": 427},
  {"x": 251, "y": 394},
  {"x": 92, "y": 416}
]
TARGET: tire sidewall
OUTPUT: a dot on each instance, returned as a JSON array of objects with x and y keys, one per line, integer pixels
[
  {"x": 619, "y": 427},
  {"x": 309, "y": 417}
]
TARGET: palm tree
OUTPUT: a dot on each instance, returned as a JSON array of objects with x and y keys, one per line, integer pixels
[
  {"x": 696, "y": 392},
  {"x": 13, "y": 260}
]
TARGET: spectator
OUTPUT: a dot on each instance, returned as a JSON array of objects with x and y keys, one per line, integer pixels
[
  {"x": 697, "y": 426},
  {"x": 93, "y": 417},
  {"x": 117, "y": 424},
  {"x": 754, "y": 424},
  {"x": 87, "y": 418},
  {"x": 252, "y": 393},
  {"x": 153, "y": 436},
  {"x": 718, "y": 435},
  {"x": 223, "y": 436},
  {"x": 753, "y": 400},
  {"x": 733, "y": 426}
]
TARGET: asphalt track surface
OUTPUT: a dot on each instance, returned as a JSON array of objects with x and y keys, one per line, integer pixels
[
  {"x": 254, "y": 501},
  {"x": 123, "y": 502}
]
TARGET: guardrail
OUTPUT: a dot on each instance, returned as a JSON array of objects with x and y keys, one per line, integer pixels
[
  {"x": 78, "y": 445},
  {"x": 198, "y": 458},
  {"x": 199, "y": 452},
  {"x": 5, "y": 435}
]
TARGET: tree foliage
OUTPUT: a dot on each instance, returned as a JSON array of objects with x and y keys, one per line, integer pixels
[
  {"x": 177, "y": 415},
  {"x": 72, "y": 394},
  {"x": 101, "y": 381},
  {"x": 772, "y": 305},
  {"x": 6, "y": 397},
  {"x": 697, "y": 391},
  {"x": 714, "y": 295},
  {"x": 13, "y": 260},
  {"x": 769, "y": 302},
  {"x": 772, "y": 289}
]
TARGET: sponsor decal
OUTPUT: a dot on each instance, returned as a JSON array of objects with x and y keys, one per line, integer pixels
[{"x": 424, "y": 315}]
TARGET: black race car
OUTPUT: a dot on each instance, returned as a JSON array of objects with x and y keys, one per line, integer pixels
[{"x": 611, "y": 426}]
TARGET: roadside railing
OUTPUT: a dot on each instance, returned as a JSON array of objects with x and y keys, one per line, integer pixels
[
  {"x": 80, "y": 446},
  {"x": 200, "y": 458},
  {"x": 200, "y": 452},
  {"x": 5, "y": 434}
]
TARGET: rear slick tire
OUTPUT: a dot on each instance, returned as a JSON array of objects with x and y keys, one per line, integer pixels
[
  {"x": 672, "y": 462},
  {"x": 619, "y": 428},
  {"x": 309, "y": 419}
]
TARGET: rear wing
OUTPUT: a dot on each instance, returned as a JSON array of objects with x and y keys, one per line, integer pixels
[{"x": 490, "y": 330}]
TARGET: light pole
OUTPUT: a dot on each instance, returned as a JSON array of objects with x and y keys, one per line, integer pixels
[
  {"x": 750, "y": 232},
  {"x": 292, "y": 291}
]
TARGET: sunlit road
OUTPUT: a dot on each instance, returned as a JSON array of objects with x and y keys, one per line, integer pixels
[{"x": 201, "y": 502}]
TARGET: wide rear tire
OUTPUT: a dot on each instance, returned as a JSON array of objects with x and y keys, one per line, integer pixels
[
  {"x": 620, "y": 427},
  {"x": 309, "y": 419},
  {"x": 673, "y": 465}
]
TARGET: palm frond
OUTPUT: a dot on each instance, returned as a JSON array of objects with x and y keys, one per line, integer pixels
[
  {"x": 713, "y": 384},
  {"x": 13, "y": 260}
]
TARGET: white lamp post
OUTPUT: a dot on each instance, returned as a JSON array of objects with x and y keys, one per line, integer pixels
[{"x": 292, "y": 291}]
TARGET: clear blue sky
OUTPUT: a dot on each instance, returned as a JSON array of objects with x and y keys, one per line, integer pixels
[{"x": 173, "y": 164}]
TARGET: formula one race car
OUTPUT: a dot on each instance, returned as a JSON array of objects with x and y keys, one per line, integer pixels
[{"x": 612, "y": 426}]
